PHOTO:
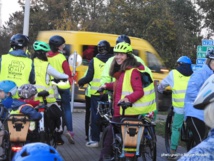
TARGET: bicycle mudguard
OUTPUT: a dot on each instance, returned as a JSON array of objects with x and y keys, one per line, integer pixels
[
  {"x": 132, "y": 133},
  {"x": 18, "y": 126}
]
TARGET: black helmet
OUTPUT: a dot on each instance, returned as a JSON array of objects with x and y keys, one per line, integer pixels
[
  {"x": 210, "y": 54},
  {"x": 123, "y": 38},
  {"x": 18, "y": 41},
  {"x": 56, "y": 41},
  {"x": 103, "y": 47}
]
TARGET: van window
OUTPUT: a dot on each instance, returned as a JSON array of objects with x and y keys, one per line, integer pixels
[
  {"x": 153, "y": 62},
  {"x": 136, "y": 52},
  {"x": 88, "y": 52}
]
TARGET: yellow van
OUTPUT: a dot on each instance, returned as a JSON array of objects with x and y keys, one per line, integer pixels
[{"x": 85, "y": 44}]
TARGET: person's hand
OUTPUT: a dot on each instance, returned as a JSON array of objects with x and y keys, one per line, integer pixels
[{"x": 124, "y": 100}]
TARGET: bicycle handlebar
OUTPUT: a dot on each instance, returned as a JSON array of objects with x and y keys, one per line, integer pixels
[{"x": 100, "y": 90}]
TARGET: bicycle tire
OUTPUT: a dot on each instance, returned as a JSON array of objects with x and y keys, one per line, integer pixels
[
  {"x": 103, "y": 136},
  {"x": 148, "y": 146},
  {"x": 168, "y": 130}
]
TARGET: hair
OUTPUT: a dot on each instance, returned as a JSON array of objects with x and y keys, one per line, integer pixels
[
  {"x": 129, "y": 62},
  {"x": 40, "y": 55},
  {"x": 209, "y": 114}
]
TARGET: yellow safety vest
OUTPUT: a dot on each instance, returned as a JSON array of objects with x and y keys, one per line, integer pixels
[
  {"x": 95, "y": 83},
  {"x": 179, "y": 89},
  {"x": 57, "y": 61},
  {"x": 40, "y": 75},
  {"x": 146, "y": 103},
  {"x": 16, "y": 69}
]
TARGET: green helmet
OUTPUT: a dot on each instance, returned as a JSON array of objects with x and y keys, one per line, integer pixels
[
  {"x": 123, "y": 47},
  {"x": 40, "y": 45}
]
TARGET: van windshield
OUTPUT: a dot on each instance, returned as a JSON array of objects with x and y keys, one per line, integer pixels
[{"x": 153, "y": 62}]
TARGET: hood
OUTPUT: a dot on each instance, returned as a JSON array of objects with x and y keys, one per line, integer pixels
[
  {"x": 16, "y": 104},
  {"x": 185, "y": 69},
  {"x": 18, "y": 52}
]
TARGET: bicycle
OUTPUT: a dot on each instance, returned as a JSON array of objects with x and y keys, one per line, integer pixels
[
  {"x": 186, "y": 134},
  {"x": 135, "y": 139},
  {"x": 46, "y": 134}
]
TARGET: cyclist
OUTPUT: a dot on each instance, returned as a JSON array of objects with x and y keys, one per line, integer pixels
[
  {"x": 37, "y": 152},
  {"x": 204, "y": 150},
  {"x": 95, "y": 69},
  {"x": 43, "y": 73},
  {"x": 127, "y": 88},
  {"x": 59, "y": 62},
  {"x": 177, "y": 79},
  {"x": 194, "y": 117},
  {"x": 16, "y": 66}
]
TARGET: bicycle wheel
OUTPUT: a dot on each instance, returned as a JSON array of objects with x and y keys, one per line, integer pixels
[
  {"x": 103, "y": 136},
  {"x": 168, "y": 130},
  {"x": 148, "y": 145}
]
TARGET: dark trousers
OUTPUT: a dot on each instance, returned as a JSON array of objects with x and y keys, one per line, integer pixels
[
  {"x": 87, "y": 114},
  {"x": 198, "y": 128}
]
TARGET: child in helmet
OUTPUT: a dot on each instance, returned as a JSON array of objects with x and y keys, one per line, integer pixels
[
  {"x": 7, "y": 90},
  {"x": 43, "y": 74}
]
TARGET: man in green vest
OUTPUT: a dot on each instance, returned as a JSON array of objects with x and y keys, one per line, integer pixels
[
  {"x": 16, "y": 66},
  {"x": 177, "y": 79},
  {"x": 92, "y": 77}
]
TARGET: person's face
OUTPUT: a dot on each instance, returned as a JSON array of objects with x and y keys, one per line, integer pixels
[
  {"x": 2, "y": 94},
  {"x": 62, "y": 47},
  {"x": 120, "y": 58},
  {"x": 212, "y": 64}
]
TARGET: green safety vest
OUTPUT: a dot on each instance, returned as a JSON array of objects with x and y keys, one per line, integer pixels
[
  {"x": 95, "y": 83},
  {"x": 57, "y": 61},
  {"x": 145, "y": 104},
  {"x": 16, "y": 69},
  {"x": 179, "y": 89},
  {"x": 40, "y": 75}
]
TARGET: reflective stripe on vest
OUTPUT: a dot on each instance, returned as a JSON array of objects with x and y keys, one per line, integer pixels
[
  {"x": 95, "y": 83},
  {"x": 40, "y": 75},
  {"x": 16, "y": 69},
  {"x": 145, "y": 104},
  {"x": 179, "y": 89}
]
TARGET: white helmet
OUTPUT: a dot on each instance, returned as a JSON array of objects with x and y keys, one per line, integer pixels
[{"x": 206, "y": 94}]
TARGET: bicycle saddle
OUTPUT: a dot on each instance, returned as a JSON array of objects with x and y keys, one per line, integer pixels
[{"x": 43, "y": 93}]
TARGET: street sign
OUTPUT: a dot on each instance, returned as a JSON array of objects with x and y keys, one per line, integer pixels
[
  {"x": 207, "y": 42},
  {"x": 200, "y": 61},
  {"x": 201, "y": 55},
  {"x": 204, "y": 49}
]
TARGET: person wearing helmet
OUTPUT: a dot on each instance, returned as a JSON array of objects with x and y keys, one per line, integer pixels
[
  {"x": 195, "y": 117},
  {"x": 204, "y": 102},
  {"x": 105, "y": 77},
  {"x": 37, "y": 152},
  {"x": 127, "y": 72},
  {"x": 7, "y": 90},
  {"x": 177, "y": 79},
  {"x": 93, "y": 76},
  {"x": 16, "y": 66},
  {"x": 44, "y": 71},
  {"x": 59, "y": 62}
]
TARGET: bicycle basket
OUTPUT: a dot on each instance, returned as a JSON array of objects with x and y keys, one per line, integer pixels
[{"x": 104, "y": 108}]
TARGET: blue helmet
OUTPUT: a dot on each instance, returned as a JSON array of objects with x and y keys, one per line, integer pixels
[
  {"x": 37, "y": 152},
  {"x": 8, "y": 87},
  {"x": 184, "y": 60}
]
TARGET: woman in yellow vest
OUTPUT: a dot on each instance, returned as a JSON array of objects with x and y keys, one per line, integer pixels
[
  {"x": 177, "y": 79},
  {"x": 128, "y": 87}
]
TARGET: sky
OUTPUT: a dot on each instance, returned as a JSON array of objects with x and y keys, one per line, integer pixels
[{"x": 8, "y": 7}]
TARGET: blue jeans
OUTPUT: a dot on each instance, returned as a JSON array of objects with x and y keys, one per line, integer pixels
[
  {"x": 66, "y": 106},
  {"x": 95, "y": 117}
]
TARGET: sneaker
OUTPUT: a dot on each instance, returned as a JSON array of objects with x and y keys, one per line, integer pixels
[
  {"x": 70, "y": 137},
  {"x": 172, "y": 155},
  {"x": 92, "y": 144},
  {"x": 59, "y": 139}
]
